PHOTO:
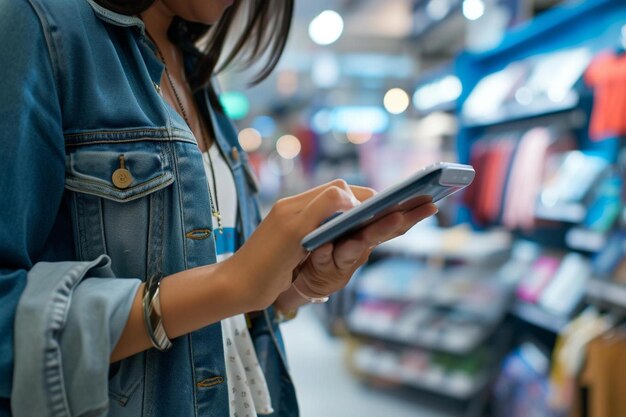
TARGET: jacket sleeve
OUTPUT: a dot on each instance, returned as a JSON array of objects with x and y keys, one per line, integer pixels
[{"x": 58, "y": 321}]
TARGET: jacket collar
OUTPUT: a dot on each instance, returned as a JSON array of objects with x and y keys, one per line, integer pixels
[{"x": 116, "y": 18}]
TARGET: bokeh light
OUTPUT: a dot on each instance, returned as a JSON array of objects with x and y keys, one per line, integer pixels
[
  {"x": 473, "y": 9},
  {"x": 438, "y": 92},
  {"x": 250, "y": 139},
  {"x": 236, "y": 105},
  {"x": 358, "y": 138},
  {"x": 325, "y": 71},
  {"x": 396, "y": 101},
  {"x": 287, "y": 82},
  {"x": 265, "y": 125},
  {"x": 321, "y": 122},
  {"x": 288, "y": 146},
  {"x": 326, "y": 28}
]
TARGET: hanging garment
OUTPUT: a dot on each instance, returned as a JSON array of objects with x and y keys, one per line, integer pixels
[
  {"x": 499, "y": 164},
  {"x": 526, "y": 176},
  {"x": 536, "y": 147},
  {"x": 603, "y": 380},
  {"x": 569, "y": 354},
  {"x": 492, "y": 158},
  {"x": 607, "y": 76}
]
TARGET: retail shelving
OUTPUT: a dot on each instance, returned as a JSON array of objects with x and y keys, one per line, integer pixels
[
  {"x": 539, "y": 317},
  {"x": 607, "y": 294},
  {"x": 524, "y": 70},
  {"x": 580, "y": 29},
  {"x": 579, "y": 238},
  {"x": 459, "y": 344},
  {"x": 453, "y": 244},
  {"x": 372, "y": 362},
  {"x": 427, "y": 301},
  {"x": 574, "y": 213}
]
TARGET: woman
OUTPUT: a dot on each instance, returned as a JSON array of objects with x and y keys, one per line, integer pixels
[{"x": 114, "y": 151}]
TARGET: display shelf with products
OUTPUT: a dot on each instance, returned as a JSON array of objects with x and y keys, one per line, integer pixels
[
  {"x": 459, "y": 243},
  {"x": 437, "y": 303},
  {"x": 607, "y": 294},
  {"x": 586, "y": 240},
  {"x": 460, "y": 378},
  {"x": 425, "y": 327},
  {"x": 524, "y": 116},
  {"x": 534, "y": 86},
  {"x": 437, "y": 91},
  {"x": 406, "y": 299},
  {"x": 547, "y": 155},
  {"x": 534, "y": 314}
]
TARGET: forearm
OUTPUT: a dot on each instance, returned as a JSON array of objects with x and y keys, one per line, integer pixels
[{"x": 190, "y": 300}]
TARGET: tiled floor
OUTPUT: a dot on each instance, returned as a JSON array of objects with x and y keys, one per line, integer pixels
[{"x": 327, "y": 389}]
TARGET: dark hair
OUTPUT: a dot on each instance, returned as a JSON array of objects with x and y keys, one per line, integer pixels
[{"x": 262, "y": 28}]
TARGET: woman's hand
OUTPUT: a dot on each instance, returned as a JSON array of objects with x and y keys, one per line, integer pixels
[
  {"x": 330, "y": 267},
  {"x": 264, "y": 265}
]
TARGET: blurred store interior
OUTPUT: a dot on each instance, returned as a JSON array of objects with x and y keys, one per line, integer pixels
[{"x": 511, "y": 301}]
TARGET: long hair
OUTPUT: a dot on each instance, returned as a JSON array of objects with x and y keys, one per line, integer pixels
[{"x": 262, "y": 28}]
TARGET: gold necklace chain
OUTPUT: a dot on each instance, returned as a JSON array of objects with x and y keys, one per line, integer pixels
[{"x": 214, "y": 202}]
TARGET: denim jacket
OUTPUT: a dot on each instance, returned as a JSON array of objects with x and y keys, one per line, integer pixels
[{"x": 79, "y": 99}]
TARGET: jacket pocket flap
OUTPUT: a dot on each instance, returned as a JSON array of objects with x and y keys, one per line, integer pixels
[{"x": 93, "y": 171}]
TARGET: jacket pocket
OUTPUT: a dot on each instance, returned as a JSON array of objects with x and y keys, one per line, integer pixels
[
  {"x": 117, "y": 194},
  {"x": 93, "y": 171}
]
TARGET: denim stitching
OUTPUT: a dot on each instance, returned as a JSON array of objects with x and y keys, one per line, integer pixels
[
  {"x": 81, "y": 221},
  {"x": 101, "y": 217},
  {"x": 102, "y": 190},
  {"x": 116, "y": 18},
  {"x": 106, "y": 186},
  {"x": 143, "y": 139},
  {"x": 180, "y": 204},
  {"x": 193, "y": 372},
  {"x": 161, "y": 222},
  {"x": 57, "y": 316},
  {"x": 149, "y": 131},
  {"x": 111, "y": 132},
  {"x": 52, "y": 46}
]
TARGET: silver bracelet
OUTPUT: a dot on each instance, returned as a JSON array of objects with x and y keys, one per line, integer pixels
[
  {"x": 152, "y": 315},
  {"x": 313, "y": 300}
]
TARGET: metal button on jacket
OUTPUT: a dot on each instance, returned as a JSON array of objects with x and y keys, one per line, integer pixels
[{"x": 122, "y": 177}]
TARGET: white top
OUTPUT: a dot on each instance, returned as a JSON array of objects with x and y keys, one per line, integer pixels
[{"x": 247, "y": 388}]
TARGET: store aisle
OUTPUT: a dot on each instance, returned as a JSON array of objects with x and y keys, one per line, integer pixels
[{"x": 325, "y": 386}]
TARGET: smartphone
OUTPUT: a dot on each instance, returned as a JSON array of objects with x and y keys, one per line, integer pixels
[{"x": 429, "y": 184}]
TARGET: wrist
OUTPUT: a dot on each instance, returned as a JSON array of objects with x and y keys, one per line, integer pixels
[
  {"x": 307, "y": 291},
  {"x": 289, "y": 301},
  {"x": 301, "y": 287}
]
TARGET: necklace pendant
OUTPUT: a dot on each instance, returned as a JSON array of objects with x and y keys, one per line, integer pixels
[{"x": 218, "y": 217}]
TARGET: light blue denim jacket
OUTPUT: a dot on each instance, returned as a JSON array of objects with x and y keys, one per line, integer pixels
[{"x": 79, "y": 89}]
